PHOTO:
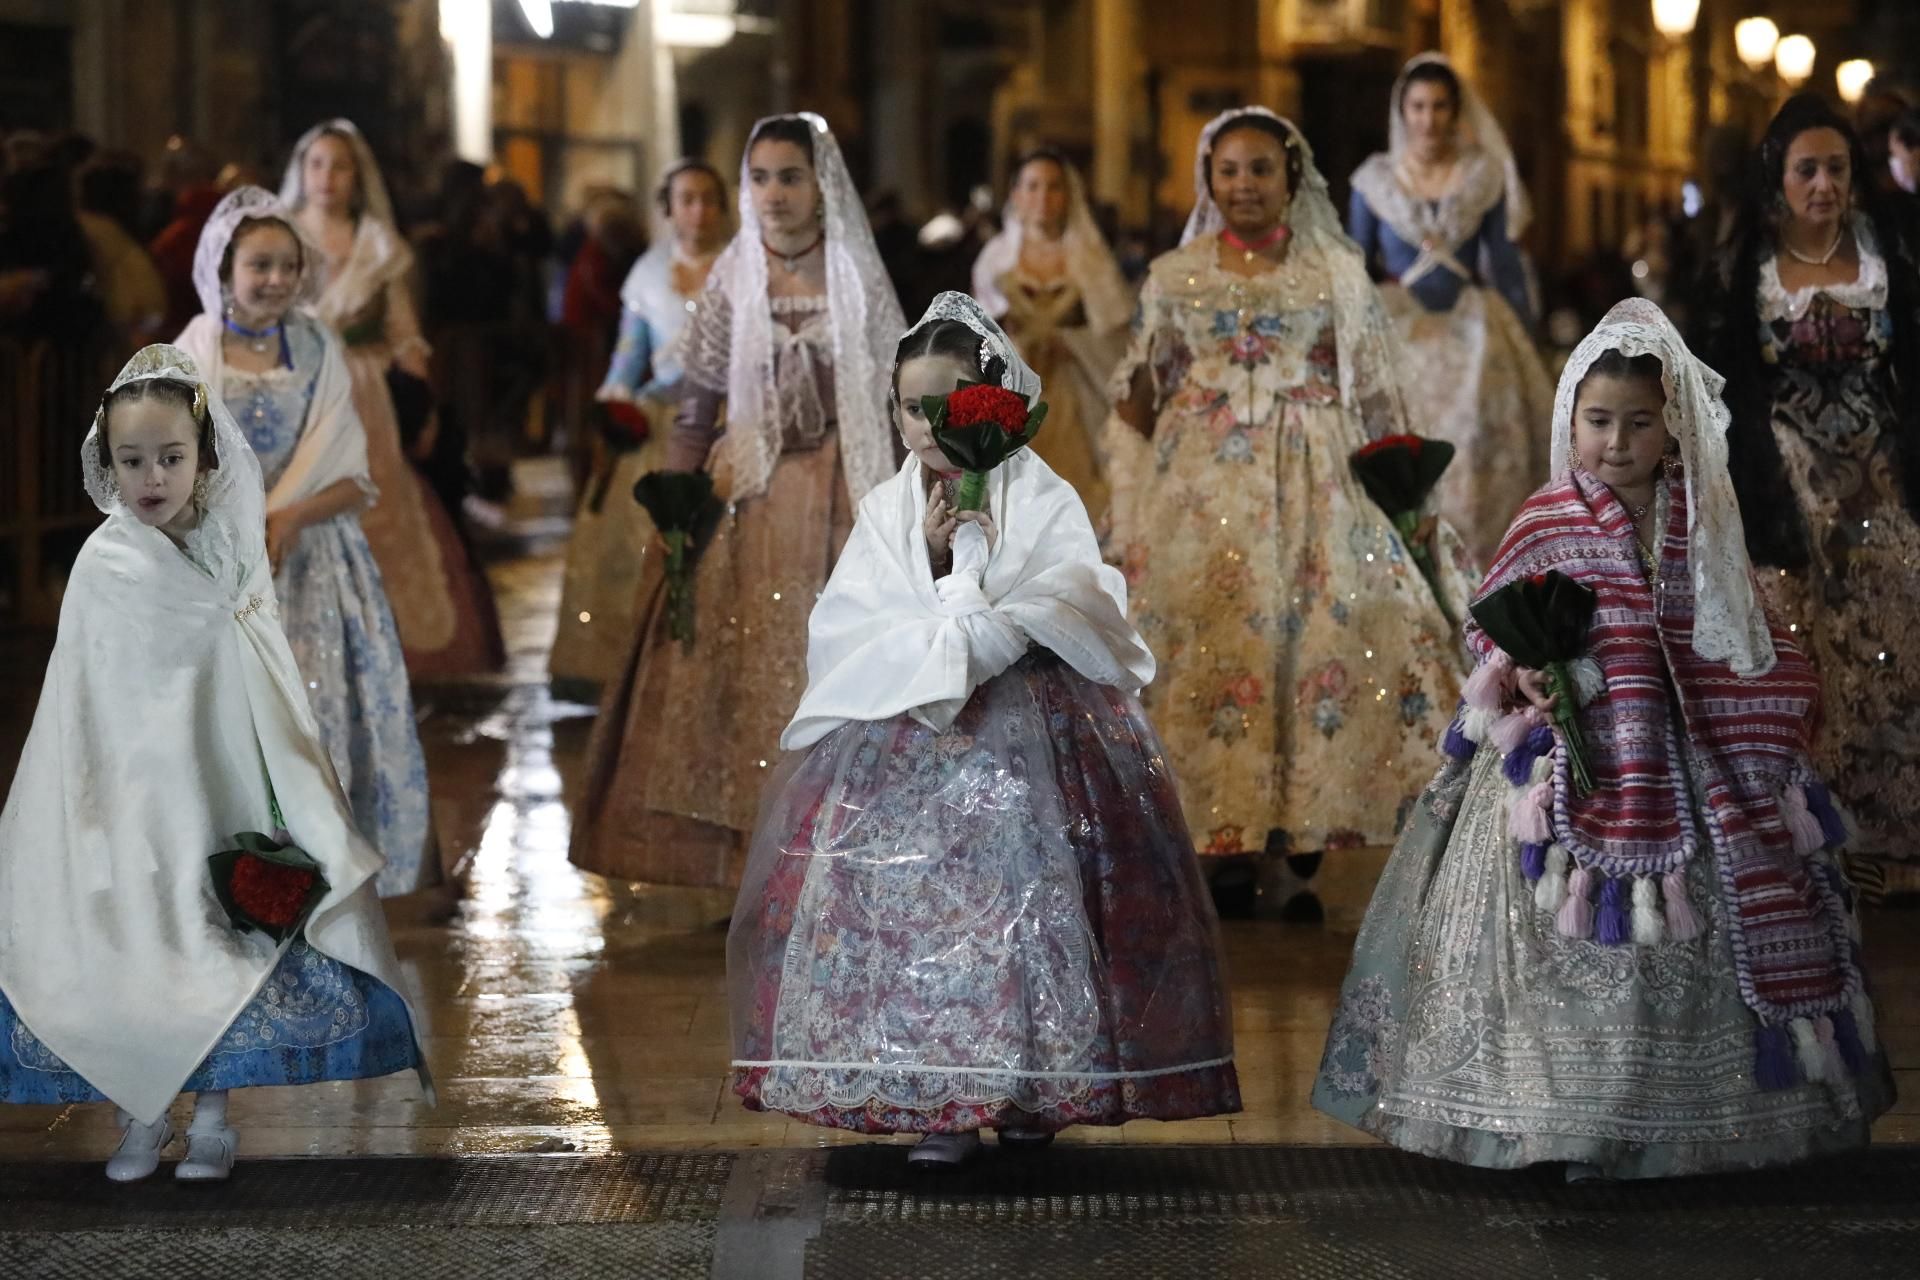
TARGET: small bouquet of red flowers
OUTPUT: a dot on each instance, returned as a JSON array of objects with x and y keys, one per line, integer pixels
[
  {"x": 1541, "y": 622},
  {"x": 677, "y": 501},
  {"x": 267, "y": 884},
  {"x": 979, "y": 426},
  {"x": 623, "y": 424},
  {"x": 1398, "y": 473}
]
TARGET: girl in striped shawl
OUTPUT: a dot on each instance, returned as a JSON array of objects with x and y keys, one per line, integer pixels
[{"x": 1659, "y": 976}]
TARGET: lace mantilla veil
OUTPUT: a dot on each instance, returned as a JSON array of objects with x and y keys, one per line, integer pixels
[
  {"x": 1019, "y": 376},
  {"x": 1480, "y": 130},
  {"x": 373, "y": 188},
  {"x": 231, "y": 536},
  {"x": 1369, "y": 353},
  {"x": 865, "y": 319},
  {"x": 1090, "y": 263},
  {"x": 1729, "y": 624},
  {"x": 240, "y": 205}
]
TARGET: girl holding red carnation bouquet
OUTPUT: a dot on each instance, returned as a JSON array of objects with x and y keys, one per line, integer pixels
[
  {"x": 173, "y": 721},
  {"x": 1654, "y": 969},
  {"x": 971, "y": 901}
]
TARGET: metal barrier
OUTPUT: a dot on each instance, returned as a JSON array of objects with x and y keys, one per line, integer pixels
[{"x": 47, "y": 397}]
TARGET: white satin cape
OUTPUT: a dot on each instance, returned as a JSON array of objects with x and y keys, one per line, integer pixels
[
  {"x": 333, "y": 443},
  {"x": 886, "y": 639},
  {"x": 166, "y": 694}
]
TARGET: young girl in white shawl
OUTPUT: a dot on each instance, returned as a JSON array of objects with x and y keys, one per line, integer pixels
[
  {"x": 971, "y": 901},
  {"x": 285, "y": 377},
  {"x": 172, "y": 719},
  {"x": 441, "y": 601}
]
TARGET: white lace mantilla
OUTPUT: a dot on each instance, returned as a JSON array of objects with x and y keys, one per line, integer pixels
[
  {"x": 1729, "y": 623},
  {"x": 1433, "y": 226},
  {"x": 1866, "y": 291}
]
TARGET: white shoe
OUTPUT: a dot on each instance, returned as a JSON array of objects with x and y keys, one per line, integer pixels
[
  {"x": 209, "y": 1156},
  {"x": 944, "y": 1151},
  {"x": 139, "y": 1152}
]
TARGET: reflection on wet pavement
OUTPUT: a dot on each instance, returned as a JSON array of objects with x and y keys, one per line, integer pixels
[{"x": 568, "y": 1013}]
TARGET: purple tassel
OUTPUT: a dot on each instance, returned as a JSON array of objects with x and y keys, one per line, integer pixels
[
  {"x": 1533, "y": 861},
  {"x": 1820, "y": 804},
  {"x": 1456, "y": 744},
  {"x": 1519, "y": 763},
  {"x": 1773, "y": 1059},
  {"x": 1613, "y": 925},
  {"x": 1846, "y": 1034}
]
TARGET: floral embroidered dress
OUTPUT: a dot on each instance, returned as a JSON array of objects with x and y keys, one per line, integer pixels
[
  {"x": 334, "y": 608},
  {"x": 971, "y": 900},
  {"x": 1306, "y": 670},
  {"x": 688, "y": 734},
  {"x": 1658, "y": 977},
  {"x": 441, "y": 601},
  {"x": 1856, "y": 606}
]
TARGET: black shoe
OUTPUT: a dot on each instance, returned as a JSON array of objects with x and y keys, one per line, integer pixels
[
  {"x": 1236, "y": 890},
  {"x": 1303, "y": 908}
]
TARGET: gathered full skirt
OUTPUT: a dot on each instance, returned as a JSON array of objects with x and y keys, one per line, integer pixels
[
  {"x": 999, "y": 925},
  {"x": 1469, "y": 1028}
]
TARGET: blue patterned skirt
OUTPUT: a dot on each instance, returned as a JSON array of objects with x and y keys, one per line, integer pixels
[
  {"x": 333, "y": 607},
  {"x": 315, "y": 1019}
]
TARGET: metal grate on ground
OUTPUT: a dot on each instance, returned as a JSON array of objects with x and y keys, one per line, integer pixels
[{"x": 848, "y": 1213}]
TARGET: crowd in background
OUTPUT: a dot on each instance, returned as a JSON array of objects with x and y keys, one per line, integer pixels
[{"x": 522, "y": 303}]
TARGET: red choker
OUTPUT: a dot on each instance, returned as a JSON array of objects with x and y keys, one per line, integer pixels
[{"x": 1264, "y": 243}]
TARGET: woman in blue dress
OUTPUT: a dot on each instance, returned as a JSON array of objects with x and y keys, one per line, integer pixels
[
  {"x": 171, "y": 721},
  {"x": 285, "y": 378},
  {"x": 606, "y": 554},
  {"x": 1439, "y": 215}
]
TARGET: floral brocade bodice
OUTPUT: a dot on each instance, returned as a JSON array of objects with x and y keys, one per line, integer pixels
[
  {"x": 271, "y": 407},
  {"x": 1828, "y": 350},
  {"x": 1232, "y": 347}
]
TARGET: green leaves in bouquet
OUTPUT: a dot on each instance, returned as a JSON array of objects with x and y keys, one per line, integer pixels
[{"x": 677, "y": 501}]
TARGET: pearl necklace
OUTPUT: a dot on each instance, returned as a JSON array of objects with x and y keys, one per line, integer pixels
[{"x": 1840, "y": 233}]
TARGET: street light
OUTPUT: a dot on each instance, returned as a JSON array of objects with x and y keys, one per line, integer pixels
[
  {"x": 1675, "y": 18},
  {"x": 1853, "y": 76},
  {"x": 1755, "y": 39},
  {"x": 1793, "y": 59}
]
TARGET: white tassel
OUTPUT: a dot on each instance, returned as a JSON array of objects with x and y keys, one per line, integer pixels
[
  {"x": 1808, "y": 1051},
  {"x": 1543, "y": 768},
  {"x": 1863, "y": 1021},
  {"x": 1589, "y": 682},
  {"x": 1551, "y": 891},
  {"x": 1477, "y": 723},
  {"x": 1649, "y": 926}
]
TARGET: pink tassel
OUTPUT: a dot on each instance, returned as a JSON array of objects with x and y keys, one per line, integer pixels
[
  {"x": 1682, "y": 924},
  {"x": 1805, "y": 828},
  {"x": 1510, "y": 731},
  {"x": 1576, "y": 913},
  {"x": 1487, "y": 687},
  {"x": 1527, "y": 818}
]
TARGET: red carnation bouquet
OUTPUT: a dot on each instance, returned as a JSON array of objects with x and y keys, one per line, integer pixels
[
  {"x": 267, "y": 884},
  {"x": 1398, "y": 473},
  {"x": 979, "y": 426},
  {"x": 1541, "y": 622}
]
